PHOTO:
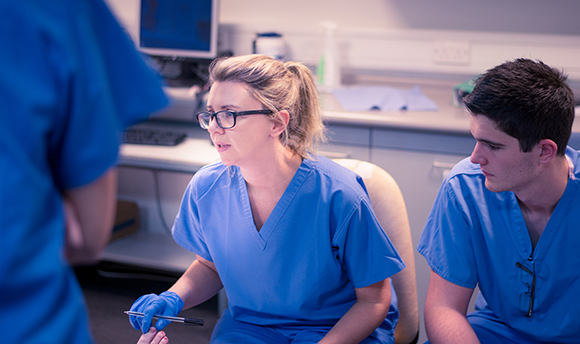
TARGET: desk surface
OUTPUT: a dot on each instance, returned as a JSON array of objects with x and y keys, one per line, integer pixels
[
  {"x": 151, "y": 250},
  {"x": 189, "y": 156}
]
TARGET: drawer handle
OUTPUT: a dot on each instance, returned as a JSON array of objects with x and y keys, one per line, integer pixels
[
  {"x": 444, "y": 165},
  {"x": 334, "y": 155}
]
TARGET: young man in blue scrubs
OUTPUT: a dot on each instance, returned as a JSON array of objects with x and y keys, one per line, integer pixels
[
  {"x": 70, "y": 81},
  {"x": 508, "y": 218}
]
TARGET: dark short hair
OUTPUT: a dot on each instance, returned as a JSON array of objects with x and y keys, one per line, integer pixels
[{"x": 527, "y": 100}]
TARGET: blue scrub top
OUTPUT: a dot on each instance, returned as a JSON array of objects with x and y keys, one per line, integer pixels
[
  {"x": 70, "y": 80},
  {"x": 320, "y": 242},
  {"x": 474, "y": 236}
]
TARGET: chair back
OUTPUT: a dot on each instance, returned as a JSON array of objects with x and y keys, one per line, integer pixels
[{"x": 389, "y": 207}]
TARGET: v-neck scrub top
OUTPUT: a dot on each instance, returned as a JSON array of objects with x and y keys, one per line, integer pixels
[
  {"x": 320, "y": 242},
  {"x": 475, "y": 236}
]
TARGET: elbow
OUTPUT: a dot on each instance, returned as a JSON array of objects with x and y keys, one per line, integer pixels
[
  {"x": 87, "y": 254},
  {"x": 93, "y": 252}
]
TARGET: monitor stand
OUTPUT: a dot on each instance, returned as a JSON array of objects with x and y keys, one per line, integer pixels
[{"x": 192, "y": 73}]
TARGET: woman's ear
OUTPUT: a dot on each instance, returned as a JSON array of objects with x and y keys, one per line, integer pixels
[
  {"x": 548, "y": 150},
  {"x": 280, "y": 122}
]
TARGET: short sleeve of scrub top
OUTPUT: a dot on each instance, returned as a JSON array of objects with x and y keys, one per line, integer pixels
[
  {"x": 322, "y": 236},
  {"x": 111, "y": 88},
  {"x": 446, "y": 241}
]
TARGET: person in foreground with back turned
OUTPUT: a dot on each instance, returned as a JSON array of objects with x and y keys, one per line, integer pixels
[
  {"x": 508, "y": 218},
  {"x": 290, "y": 235},
  {"x": 71, "y": 80}
]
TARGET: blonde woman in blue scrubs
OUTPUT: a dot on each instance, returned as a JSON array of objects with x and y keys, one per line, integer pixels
[{"x": 290, "y": 235}]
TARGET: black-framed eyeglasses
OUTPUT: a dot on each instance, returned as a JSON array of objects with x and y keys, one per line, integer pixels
[
  {"x": 528, "y": 277},
  {"x": 226, "y": 119}
]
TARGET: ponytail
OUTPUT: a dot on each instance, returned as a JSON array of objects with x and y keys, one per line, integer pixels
[{"x": 280, "y": 86}]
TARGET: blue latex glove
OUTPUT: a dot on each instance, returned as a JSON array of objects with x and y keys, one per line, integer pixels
[{"x": 167, "y": 303}]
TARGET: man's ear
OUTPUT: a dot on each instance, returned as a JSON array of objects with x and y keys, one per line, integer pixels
[
  {"x": 548, "y": 150},
  {"x": 281, "y": 122}
]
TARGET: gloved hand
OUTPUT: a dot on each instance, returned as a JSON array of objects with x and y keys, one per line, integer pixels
[{"x": 167, "y": 303}]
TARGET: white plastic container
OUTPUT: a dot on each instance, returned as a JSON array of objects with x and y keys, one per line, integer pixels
[{"x": 271, "y": 44}]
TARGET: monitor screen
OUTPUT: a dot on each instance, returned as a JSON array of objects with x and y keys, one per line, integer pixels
[{"x": 179, "y": 29}]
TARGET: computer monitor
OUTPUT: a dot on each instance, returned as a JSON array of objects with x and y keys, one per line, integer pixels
[{"x": 179, "y": 29}]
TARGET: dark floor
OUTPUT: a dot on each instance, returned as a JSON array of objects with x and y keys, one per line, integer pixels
[{"x": 111, "y": 289}]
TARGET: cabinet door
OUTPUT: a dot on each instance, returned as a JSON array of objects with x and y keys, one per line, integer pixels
[
  {"x": 341, "y": 151},
  {"x": 347, "y": 142},
  {"x": 419, "y": 176}
]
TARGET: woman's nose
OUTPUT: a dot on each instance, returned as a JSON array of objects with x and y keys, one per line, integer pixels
[{"x": 213, "y": 125}]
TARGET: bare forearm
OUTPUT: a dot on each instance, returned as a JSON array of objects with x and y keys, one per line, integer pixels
[
  {"x": 89, "y": 213},
  {"x": 405, "y": 285},
  {"x": 444, "y": 325},
  {"x": 445, "y": 312},
  {"x": 357, "y": 324},
  {"x": 197, "y": 285}
]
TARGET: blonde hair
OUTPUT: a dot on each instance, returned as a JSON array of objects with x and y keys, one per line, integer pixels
[{"x": 279, "y": 86}]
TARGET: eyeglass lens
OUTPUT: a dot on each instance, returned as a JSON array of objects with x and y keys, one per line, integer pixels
[{"x": 225, "y": 119}]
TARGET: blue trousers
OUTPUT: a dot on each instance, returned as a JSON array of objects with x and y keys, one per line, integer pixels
[{"x": 228, "y": 330}]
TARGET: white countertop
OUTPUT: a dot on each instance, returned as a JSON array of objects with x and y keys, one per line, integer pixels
[
  {"x": 448, "y": 119},
  {"x": 188, "y": 156}
]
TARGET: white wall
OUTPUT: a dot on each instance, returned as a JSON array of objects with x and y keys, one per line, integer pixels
[
  {"x": 397, "y": 35},
  {"x": 516, "y": 16}
]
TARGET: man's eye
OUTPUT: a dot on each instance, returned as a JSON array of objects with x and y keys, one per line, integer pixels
[{"x": 493, "y": 147}]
